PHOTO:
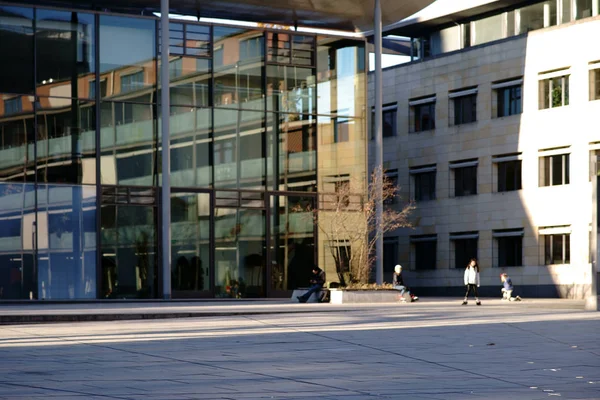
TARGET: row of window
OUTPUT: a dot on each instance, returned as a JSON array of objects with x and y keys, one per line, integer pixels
[
  {"x": 507, "y": 100},
  {"x": 554, "y": 170},
  {"x": 505, "y": 24},
  {"x": 508, "y": 248}
]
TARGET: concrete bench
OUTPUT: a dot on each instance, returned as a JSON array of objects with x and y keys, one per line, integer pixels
[{"x": 314, "y": 298}]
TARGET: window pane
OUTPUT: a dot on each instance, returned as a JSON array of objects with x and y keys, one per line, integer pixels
[
  {"x": 190, "y": 82},
  {"x": 425, "y": 255},
  {"x": 190, "y": 147},
  {"x": 465, "y": 181},
  {"x": 129, "y": 252},
  {"x": 464, "y": 250},
  {"x": 537, "y": 16},
  {"x": 291, "y": 89},
  {"x": 127, "y": 55},
  {"x": 16, "y": 39},
  {"x": 239, "y": 159},
  {"x": 340, "y": 77},
  {"x": 238, "y": 80},
  {"x": 557, "y": 170},
  {"x": 17, "y": 219},
  {"x": 65, "y": 53},
  {"x": 66, "y": 141},
  {"x": 128, "y": 144},
  {"x": 190, "y": 216},
  {"x": 389, "y": 123},
  {"x": 17, "y": 145},
  {"x": 292, "y": 151},
  {"x": 66, "y": 242}
]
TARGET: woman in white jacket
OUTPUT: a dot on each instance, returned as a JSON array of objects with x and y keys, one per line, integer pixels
[{"x": 472, "y": 280}]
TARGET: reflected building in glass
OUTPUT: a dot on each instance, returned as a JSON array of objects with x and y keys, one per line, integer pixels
[{"x": 262, "y": 124}]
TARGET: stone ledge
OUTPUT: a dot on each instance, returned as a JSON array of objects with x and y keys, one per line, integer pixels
[{"x": 344, "y": 296}]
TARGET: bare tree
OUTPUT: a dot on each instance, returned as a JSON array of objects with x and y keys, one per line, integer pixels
[{"x": 347, "y": 222}]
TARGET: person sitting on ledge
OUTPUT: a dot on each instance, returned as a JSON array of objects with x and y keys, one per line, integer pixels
[
  {"x": 316, "y": 284},
  {"x": 399, "y": 285}
]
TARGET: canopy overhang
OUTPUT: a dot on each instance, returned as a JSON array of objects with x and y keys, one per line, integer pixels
[{"x": 346, "y": 15}]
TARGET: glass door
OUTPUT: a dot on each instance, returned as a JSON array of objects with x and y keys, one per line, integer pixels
[
  {"x": 190, "y": 245},
  {"x": 291, "y": 243}
]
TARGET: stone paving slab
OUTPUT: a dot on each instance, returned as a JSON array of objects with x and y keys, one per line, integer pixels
[{"x": 433, "y": 350}]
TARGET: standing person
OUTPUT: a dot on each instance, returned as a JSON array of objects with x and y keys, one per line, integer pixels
[
  {"x": 399, "y": 285},
  {"x": 316, "y": 283},
  {"x": 472, "y": 281},
  {"x": 507, "y": 288}
]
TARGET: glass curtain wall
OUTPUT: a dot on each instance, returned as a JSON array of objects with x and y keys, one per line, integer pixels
[{"x": 259, "y": 122}]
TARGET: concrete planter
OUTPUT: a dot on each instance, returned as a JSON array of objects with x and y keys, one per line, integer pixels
[{"x": 345, "y": 296}]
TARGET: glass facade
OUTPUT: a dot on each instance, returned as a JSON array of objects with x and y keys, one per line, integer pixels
[{"x": 259, "y": 119}]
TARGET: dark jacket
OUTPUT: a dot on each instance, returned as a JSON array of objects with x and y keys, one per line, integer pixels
[
  {"x": 318, "y": 278},
  {"x": 398, "y": 281}
]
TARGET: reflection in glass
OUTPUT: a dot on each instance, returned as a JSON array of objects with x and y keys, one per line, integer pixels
[
  {"x": 238, "y": 68},
  {"x": 239, "y": 159},
  {"x": 291, "y": 89},
  {"x": 190, "y": 81},
  {"x": 17, "y": 230},
  {"x": 292, "y": 152},
  {"x": 190, "y": 218},
  {"x": 17, "y": 142},
  {"x": 128, "y": 144},
  {"x": 239, "y": 252},
  {"x": 66, "y": 141},
  {"x": 488, "y": 29},
  {"x": 128, "y": 251},
  {"x": 66, "y": 242},
  {"x": 292, "y": 241},
  {"x": 190, "y": 147},
  {"x": 16, "y": 42},
  {"x": 65, "y": 52},
  {"x": 127, "y": 55},
  {"x": 341, "y": 77}
]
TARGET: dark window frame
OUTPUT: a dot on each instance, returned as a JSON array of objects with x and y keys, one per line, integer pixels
[
  {"x": 465, "y": 181},
  {"x": 425, "y": 185},
  {"x": 557, "y": 247},
  {"x": 509, "y": 101},
  {"x": 465, "y": 109},
  {"x": 425, "y": 251},
  {"x": 420, "y": 121},
  {"x": 464, "y": 249}
]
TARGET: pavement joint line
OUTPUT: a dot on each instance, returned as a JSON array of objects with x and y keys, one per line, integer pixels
[
  {"x": 229, "y": 369},
  {"x": 395, "y": 353}
]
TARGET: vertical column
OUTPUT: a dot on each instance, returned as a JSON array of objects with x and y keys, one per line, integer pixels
[
  {"x": 378, "y": 144},
  {"x": 546, "y": 15},
  {"x": 595, "y": 5},
  {"x": 591, "y": 302},
  {"x": 166, "y": 150}
]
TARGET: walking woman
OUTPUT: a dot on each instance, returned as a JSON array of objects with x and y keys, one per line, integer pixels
[{"x": 472, "y": 281}]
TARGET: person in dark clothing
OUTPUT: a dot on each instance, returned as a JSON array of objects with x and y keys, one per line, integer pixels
[
  {"x": 399, "y": 284},
  {"x": 316, "y": 284}
]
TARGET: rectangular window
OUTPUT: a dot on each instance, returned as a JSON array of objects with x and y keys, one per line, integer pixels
[
  {"x": 425, "y": 251},
  {"x": 554, "y": 170},
  {"x": 391, "y": 180},
  {"x": 218, "y": 57},
  {"x": 536, "y": 16},
  {"x": 132, "y": 82},
  {"x": 103, "y": 88},
  {"x": 509, "y": 175},
  {"x": 389, "y": 116},
  {"x": 13, "y": 105},
  {"x": 509, "y": 101},
  {"x": 424, "y": 182},
  {"x": 251, "y": 48},
  {"x": 557, "y": 248},
  {"x": 175, "y": 68},
  {"x": 554, "y": 92},
  {"x": 465, "y": 247},
  {"x": 464, "y": 106},
  {"x": 390, "y": 254},
  {"x": 510, "y": 247},
  {"x": 583, "y": 8},
  {"x": 422, "y": 114},
  {"x": 595, "y": 84},
  {"x": 488, "y": 29},
  {"x": 465, "y": 177}
]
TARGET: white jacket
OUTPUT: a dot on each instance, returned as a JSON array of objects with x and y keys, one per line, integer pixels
[{"x": 471, "y": 276}]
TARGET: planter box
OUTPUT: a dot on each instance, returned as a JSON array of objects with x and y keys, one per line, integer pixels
[{"x": 344, "y": 296}]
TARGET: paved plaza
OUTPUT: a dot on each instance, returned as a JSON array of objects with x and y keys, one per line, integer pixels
[{"x": 434, "y": 350}]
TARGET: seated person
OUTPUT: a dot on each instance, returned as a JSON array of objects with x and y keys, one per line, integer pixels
[
  {"x": 507, "y": 288},
  {"x": 399, "y": 285},
  {"x": 316, "y": 284}
]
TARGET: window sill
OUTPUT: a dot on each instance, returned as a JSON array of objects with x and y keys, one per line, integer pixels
[{"x": 507, "y": 191}]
